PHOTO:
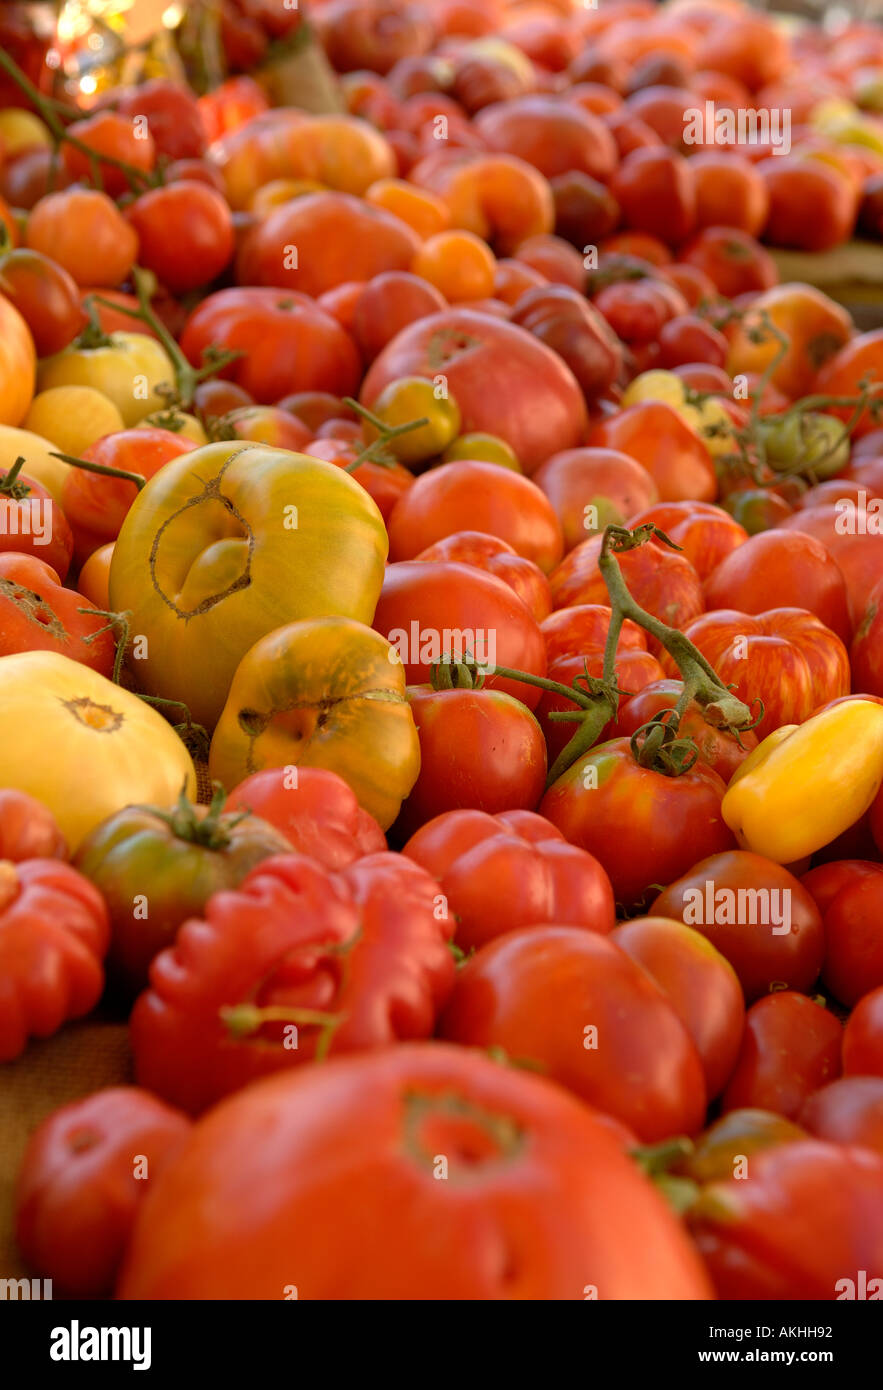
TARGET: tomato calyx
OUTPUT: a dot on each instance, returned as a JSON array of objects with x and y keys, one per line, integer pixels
[
  {"x": 466, "y": 1135},
  {"x": 245, "y": 1019},
  {"x": 11, "y": 485},
  {"x": 656, "y": 1161},
  {"x": 377, "y": 451},
  {"x": 211, "y": 830}
]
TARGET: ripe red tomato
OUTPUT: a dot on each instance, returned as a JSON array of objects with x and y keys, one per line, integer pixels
[
  {"x": 699, "y": 983},
  {"x": 314, "y": 809},
  {"x": 644, "y": 827},
  {"x": 673, "y": 454},
  {"x": 578, "y": 1006},
  {"x": 185, "y": 233},
  {"x": 756, "y": 913},
  {"x": 634, "y": 670},
  {"x": 866, "y": 653},
  {"x": 389, "y": 303},
  {"x": 510, "y": 870},
  {"x": 566, "y": 1211},
  {"x": 853, "y": 945},
  {"x": 499, "y": 558},
  {"x": 791, "y": 1047},
  {"x": 45, "y": 295},
  {"x": 116, "y": 135},
  {"x": 656, "y": 191},
  {"x": 38, "y": 614},
  {"x": 479, "y": 749},
  {"x": 32, "y": 523},
  {"x": 863, "y": 1037},
  {"x": 705, "y": 533},
  {"x": 84, "y": 1175},
  {"x": 848, "y": 1111},
  {"x": 173, "y": 115},
  {"x": 594, "y": 488},
  {"x": 28, "y": 829}
]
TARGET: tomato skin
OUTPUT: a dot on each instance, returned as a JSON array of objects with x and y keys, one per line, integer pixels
[
  {"x": 419, "y": 603},
  {"x": 480, "y": 495},
  {"x": 848, "y": 1111},
  {"x": 53, "y": 936},
  {"x": 788, "y": 1051},
  {"x": 510, "y": 870},
  {"x": 654, "y": 434},
  {"x": 288, "y": 343},
  {"x": 35, "y": 525},
  {"x": 699, "y": 983},
  {"x": 45, "y": 295},
  {"x": 760, "y": 958},
  {"x": 644, "y": 828},
  {"x": 499, "y": 558},
  {"x": 579, "y": 628},
  {"x": 172, "y": 112},
  {"x": 810, "y": 1217},
  {"x": 114, "y": 135},
  {"x": 317, "y": 813},
  {"x": 86, "y": 233},
  {"x": 504, "y": 997},
  {"x": 863, "y": 1037},
  {"x": 96, "y": 504},
  {"x": 853, "y": 950},
  {"x": 566, "y": 1194},
  {"x": 480, "y": 749},
  {"x": 718, "y": 749},
  {"x": 799, "y": 567},
  {"x": 18, "y": 360},
  {"x": 38, "y": 615},
  {"x": 28, "y": 829},
  {"x": 865, "y": 654},
  {"x": 590, "y": 488},
  {"x": 78, "y": 1194},
  {"x": 185, "y": 233},
  {"x": 705, "y": 533},
  {"x": 365, "y": 942}
]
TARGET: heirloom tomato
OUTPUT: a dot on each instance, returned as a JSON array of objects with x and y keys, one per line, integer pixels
[
  {"x": 37, "y": 614},
  {"x": 791, "y": 1047},
  {"x": 314, "y": 809},
  {"x": 127, "y": 368}
]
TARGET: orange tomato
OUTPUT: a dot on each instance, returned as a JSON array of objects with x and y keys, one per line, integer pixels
[
  {"x": 18, "y": 365},
  {"x": 816, "y": 328},
  {"x": 459, "y": 264},
  {"x": 85, "y": 232}
]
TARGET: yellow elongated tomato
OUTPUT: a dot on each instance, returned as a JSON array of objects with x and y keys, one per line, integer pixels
[
  {"x": 128, "y": 368},
  {"x": 804, "y": 785},
  {"x": 326, "y": 693},
  {"x": 84, "y": 746},
  {"x": 228, "y": 542},
  {"x": 18, "y": 363},
  {"x": 37, "y": 454}
]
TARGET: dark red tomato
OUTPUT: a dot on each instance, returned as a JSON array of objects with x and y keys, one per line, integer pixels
[
  {"x": 689, "y": 338},
  {"x": 510, "y": 870},
  {"x": 315, "y": 408},
  {"x": 579, "y": 1007},
  {"x": 757, "y": 914},
  {"x": 863, "y": 1037},
  {"x": 497, "y": 557},
  {"x": 645, "y": 828},
  {"x": 32, "y": 523},
  {"x": 848, "y": 1111},
  {"x": 287, "y": 342},
  {"x": 479, "y": 749},
  {"x": 866, "y": 653},
  {"x": 45, "y": 295},
  {"x": 853, "y": 939},
  {"x": 719, "y": 750},
  {"x": 637, "y": 310},
  {"x": 436, "y": 610},
  {"x": 827, "y": 881},
  {"x": 875, "y": 821},
  {"x": 195, "y": 171},
  {"x": 173, "y": 115},
  {"x": 214, "y": 398},
  {"x": 634, "y": 670},
  {"x": 185, "y": 233},
  {"x": 84, "y": 1174},
  {"x": 314, "y": 809},
  {"x": 804, "y": 1226},
  {"x": 387, "y": 304},
  {"x": 791, "y": 1047},
  {"x": 699, "y": 983}
]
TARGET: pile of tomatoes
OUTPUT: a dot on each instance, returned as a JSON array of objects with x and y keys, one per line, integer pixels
[{"x": 441, "y": 664}]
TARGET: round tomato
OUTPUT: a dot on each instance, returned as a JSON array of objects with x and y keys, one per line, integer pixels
[
  {"x": 790, "y": 1047},
  {"x": 314, "y": 809},
  {"x": 185, "y": 233}
]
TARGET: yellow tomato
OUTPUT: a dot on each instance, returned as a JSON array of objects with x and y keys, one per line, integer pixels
[
  {"x": 37, "y": 454},
  {"x": 74, "y": 416},
  {"x": 655, "y": 385},
  {"x": 805, "y": 784},
  {"x": 225, "y": 544},
  {"x": 322, "y": 694},
  {"x": 414, "y": 398},
  {"x": 22, "y": 130},
  {"x": 178, "y": 421},
  {"x": 128, "y": 369},
  {"x": 477, "y": 445},
  {"x": 18, "y": 362},
  {"x": 82, "y": 745}
]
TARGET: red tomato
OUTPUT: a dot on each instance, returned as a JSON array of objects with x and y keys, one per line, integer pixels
[
  {"x": 807, "y": 1221},
  {"x": 790, "y": 1047},
  {"x": 84, "y": 1174},
  {"x": 848, "y": 1111},
  {"x": 688, "y": 339},
  {"x": 863, "y": 1037},
  {"x": 185, "y": 233},
  {"x": 510, "y": 870},
  {"x": 756, "y": 913},
  {"x": 866, "y": 653},
  {"x": 705, "y": 533},
  {"x": 547, "y": 1175},
  {"x": 479, "y": 749},
  {"x": 656, "y": 191},
  {"x": 499, "y": 558},
  {"x": 436, "y": 610},
  {"x": 389, "y": 303},
  {"x": 673, "y": 454},
  {"x": 314, "y": 809},
  {"x": 480, "y": 495},
  {"x": 718, "y": 749},
  {"x": 38, "y": 615},
  {"x": 172, "y": 112},
  {"x": 28, "y": 829},
  {"x": 580, "y": 629},
  {"x": 45, "y": 295},
  {"x": 287, "y": 342},
  {"x": 699, "y": 983},
  {"x": 561, "y": 317},
  {"x": 32, "y": 523},
  {"x": 734, "y": 262},
  {"x": 347, "y": 960},
  {"x": 109, "y": 134},
  {"x": 594, "y": 488},
  {"x": 589, "y": 1015},
  {"x": 853, "y": 942},
  {"x": 785, "y": 657},
  {"x": 644, "y": 827}
]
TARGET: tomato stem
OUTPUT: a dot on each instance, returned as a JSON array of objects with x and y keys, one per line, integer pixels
[
  {"x": 376, "y": 451},
  {"x": 104, "y": 469},
  {"x": 11, "y": 485}
]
